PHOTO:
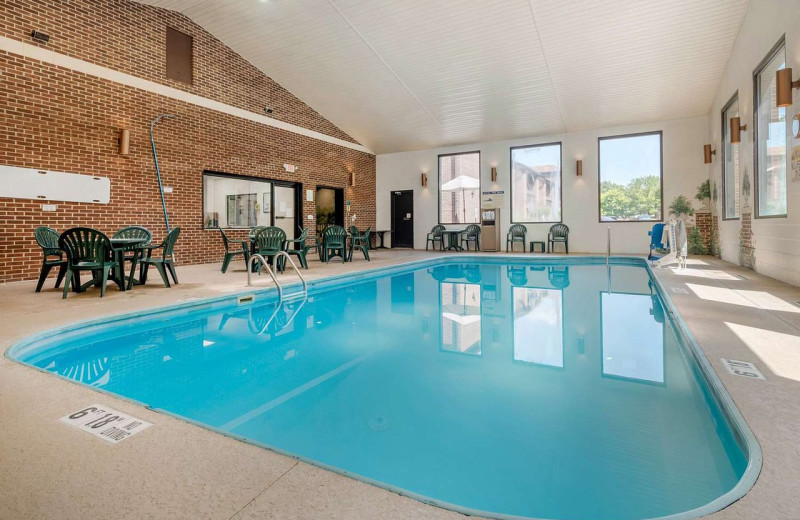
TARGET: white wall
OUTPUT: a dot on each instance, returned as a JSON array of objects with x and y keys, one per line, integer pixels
[
  {"x": 683, "y": 172},
  {"x": 776, "y": 241}
]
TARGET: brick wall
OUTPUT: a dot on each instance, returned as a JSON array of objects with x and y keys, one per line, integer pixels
[
  {"x": 746, "y": 250},
  {"x": 703, "y": 223},
  {"x": 56, "y": 119}
]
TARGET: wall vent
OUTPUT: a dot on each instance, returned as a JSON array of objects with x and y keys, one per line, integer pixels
[{"x": 40, "y": 37}]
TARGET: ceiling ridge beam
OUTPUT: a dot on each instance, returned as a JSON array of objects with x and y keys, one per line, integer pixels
[
  {"x": 547, "y": 66},
  {"x": 383, "y": 61}
]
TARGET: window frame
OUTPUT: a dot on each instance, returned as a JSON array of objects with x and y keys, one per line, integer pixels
[
  {"x": 726, "y": 134},
  {"x": 298, "y": 187},
  {"x": 660, "y": 134},
  {"x": 439, "y": 187},
  {"x": 781, "y": 44},
  {"x": 560, "y": 176}
]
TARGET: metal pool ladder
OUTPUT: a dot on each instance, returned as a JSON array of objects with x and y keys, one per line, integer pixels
[{"x": 265, "y": 265}]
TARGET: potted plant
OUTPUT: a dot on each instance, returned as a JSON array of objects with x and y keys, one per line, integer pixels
[{"x": 704, "y": 193}]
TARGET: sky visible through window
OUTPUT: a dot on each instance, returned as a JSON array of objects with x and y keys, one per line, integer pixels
[{"x": 625, "y": 159}]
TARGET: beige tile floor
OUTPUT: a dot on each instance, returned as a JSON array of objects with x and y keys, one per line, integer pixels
[{"x": 177, "y": 470}]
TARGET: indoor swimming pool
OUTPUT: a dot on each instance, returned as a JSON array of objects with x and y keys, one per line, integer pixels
[{"x": 552, "y": 389}]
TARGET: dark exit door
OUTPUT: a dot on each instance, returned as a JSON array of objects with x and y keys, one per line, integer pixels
[{"x": 403, "y": 218}]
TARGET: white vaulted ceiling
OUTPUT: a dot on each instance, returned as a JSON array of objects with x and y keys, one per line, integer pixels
[{"x": 409, "y": 74}]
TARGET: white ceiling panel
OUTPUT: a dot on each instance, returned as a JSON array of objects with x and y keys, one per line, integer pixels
[{"x": 409, "y": 74}]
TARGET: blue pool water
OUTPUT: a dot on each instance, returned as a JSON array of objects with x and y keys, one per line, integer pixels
[{"x": 542, "y": 390}]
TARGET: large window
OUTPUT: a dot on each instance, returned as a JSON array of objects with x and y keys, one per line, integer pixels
[
  {"x": 630, "y": 178},
  {"x": 536, "y": 183},
  {"x": 770, "y": 138},
  {"x": 730, "y": 162},
  {"x": 460, "y": 188},
  {"x": 241, "y": 202}
]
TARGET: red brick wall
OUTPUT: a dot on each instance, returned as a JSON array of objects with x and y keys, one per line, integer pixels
[
  {"x": 703, "y": 222},
  {"x": 57, "y": 119}
]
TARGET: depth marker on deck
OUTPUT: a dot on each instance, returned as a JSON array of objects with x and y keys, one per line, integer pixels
[
  {"x": 105, "y": 423},
  {"x": 742, "y": 368}
]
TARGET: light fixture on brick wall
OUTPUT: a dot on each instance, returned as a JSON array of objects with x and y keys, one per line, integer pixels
[
  {"x": 424, "y": 179},
  {"x": 707, "y": 153},
  {"x": 494, "y": 173},
  {"x": 124, "y": 141},
  {"x": 579, "y": 168},
  {"x": 351, "y": 179},
  {"x": 784, "y": 86},
  {"x": 736, "y": 129}
]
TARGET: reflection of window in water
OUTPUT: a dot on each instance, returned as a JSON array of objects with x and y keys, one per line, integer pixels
[
  {"x": 633, "y": 340},
  {"x": 461, "y": 317},
  {"x": 537, "y": 326}
]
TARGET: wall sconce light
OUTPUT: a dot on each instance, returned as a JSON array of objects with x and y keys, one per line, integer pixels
[
  {"x": 784, "y": 86},
  {"x": 351, "y": 179},
  {"x": 494, "y": 173},
  {"x": 579, "y": 168},
  {"x": 124, "y": 141},
  {"x": 707, "y": 153},
  {"x": 736, "y": 129},
  {"x": 424, "y": 178}
]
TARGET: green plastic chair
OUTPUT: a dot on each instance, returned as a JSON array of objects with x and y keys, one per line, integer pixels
[
  {"x": 471, "y": 235},
  {"x": 269, "y": 241},
  {"x": 359, "y": 241},
  {"x": 87, "y": 250},
  {"x": 163, "y": 263},
  {"x": 516, "y": 234},
  {"x": 52, "y": 255},
  {"x": 334, "y": 243},
  {"x": 558, "y": 233},
  {"x": 245, "y": 251},
  {"x": 435, "y": 236},
  {"x": 303, "y": 249},
  {"x": 132, "y": 254}
]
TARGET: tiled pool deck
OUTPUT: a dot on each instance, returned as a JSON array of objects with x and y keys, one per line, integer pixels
[{"x": 177, "y": 470}]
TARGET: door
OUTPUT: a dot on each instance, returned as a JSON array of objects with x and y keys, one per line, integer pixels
[
  {"x": 403, "y": 218},
  {"x": 330, "y": 208},
  {"x": 285, "y": 209}
]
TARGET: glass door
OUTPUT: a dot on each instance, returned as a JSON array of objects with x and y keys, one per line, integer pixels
[{"x": 284, "y": 210}]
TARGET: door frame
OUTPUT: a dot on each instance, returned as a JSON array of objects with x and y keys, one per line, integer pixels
[
  {"x": 394, "y": 193},
  {"x": 338, "y": 202}
]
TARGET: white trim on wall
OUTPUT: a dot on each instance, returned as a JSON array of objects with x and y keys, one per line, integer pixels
[{"x": 61, "y": 60}]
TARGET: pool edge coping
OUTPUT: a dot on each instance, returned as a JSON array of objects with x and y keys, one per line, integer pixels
[{"x": 724, "y": 400}]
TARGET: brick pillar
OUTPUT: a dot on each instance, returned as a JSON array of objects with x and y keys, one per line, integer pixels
[
  {"x": 746, "y": 250},
  {"x": 703, "y": 222},
  {"x": 716, "y": 250}
]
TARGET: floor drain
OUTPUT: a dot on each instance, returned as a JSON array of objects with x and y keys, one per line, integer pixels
[
  {"x": 741, "y": 277},
  {"x": 679, "y": 290}
]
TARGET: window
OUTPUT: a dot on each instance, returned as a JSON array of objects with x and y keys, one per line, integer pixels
[
  {"x": 770, "y": 138},
  {"x": 231, "y": 202},
  {"x": 459, "y": 188},
  {"x": 536, "y": 183},
  {"x": 179, "y": 56},
  {"x": 630, "y": 178},
  {"x": 730, "y": 162}
]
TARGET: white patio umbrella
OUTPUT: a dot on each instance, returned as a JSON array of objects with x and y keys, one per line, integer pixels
[{"x": 462, "y": 182}]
